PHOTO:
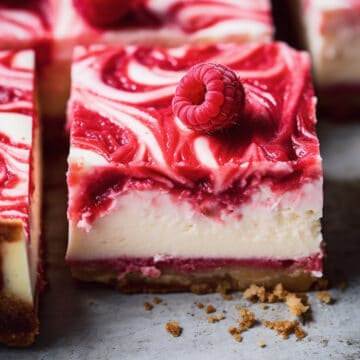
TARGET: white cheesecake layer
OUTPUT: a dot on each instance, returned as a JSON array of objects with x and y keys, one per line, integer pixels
[
  {"x": 335, "y": 52},
  {"x": 20, "y": 255},
  {"x": 152, "y": 224},
  {"x": 16, "y": 269}
]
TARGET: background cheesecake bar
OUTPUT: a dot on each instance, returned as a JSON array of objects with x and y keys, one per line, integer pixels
[
  {"x": 153, "y": 22},
  {"x": 20, "y": 266},
  {"x": 331, "y": 32},
  {"x": 156, "y": 206}
]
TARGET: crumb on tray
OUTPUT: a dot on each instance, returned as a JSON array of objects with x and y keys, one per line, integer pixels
[
  {"x": 324, "y": 297},
  {"x": 210, "y": 309},
  {"x": 261, "y": 343},
  {"x": 148, "y": 306},
  {"x": 157, "y": 300},
  {"x": 295, "y": 305},
  {"x": 215, "y": 317},
  {"x": 285, "y": 328},
  {"x": 173, "y": 328}
]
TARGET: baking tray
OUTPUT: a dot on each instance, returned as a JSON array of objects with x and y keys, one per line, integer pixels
[{"x": 88, "y": 321}]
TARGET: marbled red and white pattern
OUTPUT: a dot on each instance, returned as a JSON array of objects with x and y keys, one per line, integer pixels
[
  {"x": 123, "y": 128},
  {"x": 16, "y": 131},
  {"x": 167, "y": 20}
]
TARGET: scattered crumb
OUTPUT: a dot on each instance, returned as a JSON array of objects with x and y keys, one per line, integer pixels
[
  {"x": 324, "y": 297},
  {"x": 258, "y": 293},
  {"x": 157, "y": 300},
  {"x": 210, "y": 309},
  {"x": 227, "y": 297},
  {"x": 248, "y": 319},
  {"x": 173, "y": 328},
  {"x": 299, "y": 333},
  {"x": 261, "y": 343},
  {"x": 322, "y": 284},
  {"x": 199, "y": 305},
  {"x": 235, "y": 333},
  {"x": 215, "y": 318},
  {"x": 263, "y": 306},
  {"x": 295, "y": 305},
  {"x": 148, "y": 306},
  {"x": 285, "y": 328},
  {"x": 254, "y": 293}
]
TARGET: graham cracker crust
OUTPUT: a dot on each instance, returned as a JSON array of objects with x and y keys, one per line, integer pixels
[
  {"x": 200, "y": 282},
  {"x": 18, "y": 322}
]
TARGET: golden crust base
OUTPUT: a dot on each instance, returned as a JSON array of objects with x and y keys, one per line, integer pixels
[
  {"x": 200, "y": 282},
  {"x": 18, "y": 322}
]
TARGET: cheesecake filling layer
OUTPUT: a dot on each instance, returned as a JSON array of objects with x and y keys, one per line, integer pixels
[{"x": 143, "y": 224}]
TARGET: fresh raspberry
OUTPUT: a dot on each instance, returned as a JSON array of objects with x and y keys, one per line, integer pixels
[
  {"x": 102, "y": 13},
  {"x": 209, "y": 97}
]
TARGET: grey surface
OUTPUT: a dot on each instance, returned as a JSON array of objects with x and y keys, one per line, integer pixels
[{"x": 116, "y": 326}]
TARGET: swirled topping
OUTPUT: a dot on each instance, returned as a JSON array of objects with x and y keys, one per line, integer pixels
[
  {"x": 169, "y": 21},
  {"x": 122, "y": 122},
  {"x": 16, "y": 124},
  {"x": 24, "y": 21}
]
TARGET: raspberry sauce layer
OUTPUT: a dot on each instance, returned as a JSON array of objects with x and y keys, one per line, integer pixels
[
  {"x": 16, "y": 131},
  {"x": 153, "y": 266},
  {"x": 124, "y": 134}
]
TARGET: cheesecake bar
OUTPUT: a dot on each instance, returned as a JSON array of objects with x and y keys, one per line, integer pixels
[
  {"x": 153, "y": 22},
  {"x": 20, "y": 189},
  {"x": 331, "y": 32},
  {"x": 225, "y": 192}
]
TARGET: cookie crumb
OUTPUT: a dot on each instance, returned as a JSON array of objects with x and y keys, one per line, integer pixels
[
  {"x": 157, "y": 300},
  {"x": 299, "y": 333},
  {"x": 263, "y": 306},
  {"x": 215, "y": 318},
  {"x": 285, "y": 328},
  {"x": 173, "y": 328},
  {"x": 248, "y": 319},
  {"x": 200, "y": 305},
  {"x": 235, "y": 333},
  {"x": 148, "y": 306},
  {"x": 324, "y": 297},
  {"x": 295, "y": 305},
  {"x": 261, "y": 343},
  {"x": 210, "y": 309},
  {"x": 254, "y": 293}
]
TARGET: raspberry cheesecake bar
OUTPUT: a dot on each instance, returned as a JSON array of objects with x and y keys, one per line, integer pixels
[
  {"x": 20, "y": 279},
  {"x": 332, "y": 34},
  {"x": 194, "y": 167},
  {"x": 150, "y": 22}
]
